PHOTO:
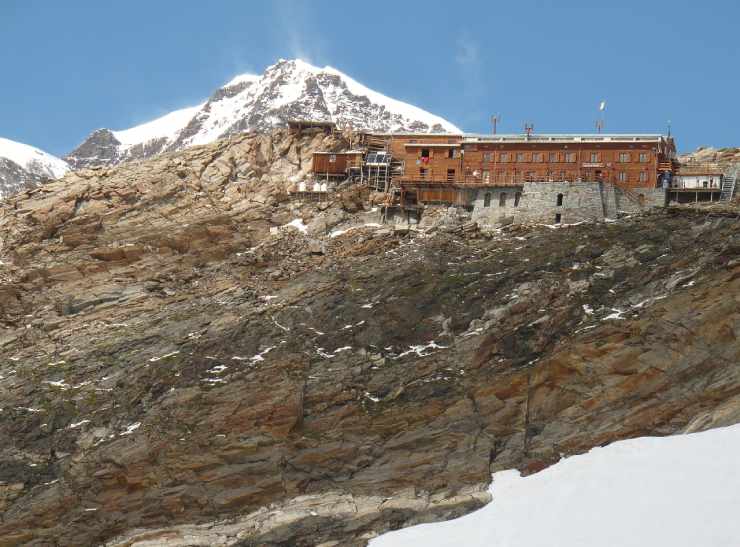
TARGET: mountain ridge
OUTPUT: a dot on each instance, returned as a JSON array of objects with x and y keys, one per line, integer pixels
[
  {"x": 249, "y": 102},
  {"x": 23, "y": 166}
]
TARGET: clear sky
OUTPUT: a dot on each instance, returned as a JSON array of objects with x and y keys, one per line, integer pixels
[{"x": 69, "y": 67}]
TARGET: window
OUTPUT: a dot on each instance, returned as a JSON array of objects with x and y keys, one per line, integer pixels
[
  {"x": 560, "y": 200},
  {"x": 487, "y": 200},
  {"x": 520, "y": 156},
  {"x": 450, "y": 175},
  {"x": 553, "y": 157},
  {"x": 570, "y": 157},
  {"x": 486, "y": 175},
  {"x": 558, "y": 217},
  {"x": 643, "y": 176},
  {"x": 643, "y": 157},
  {"x": 487, "y": 156},
  {"x": 594, "y": 157},
  {"x": 562, "y": 175},
  {"x": 425, "y": 152},
  {"x": 502, "y": 199},
  {"x": 537, "y": 157},
  {"x": 332, "y": 158},
  {"x": 503, "y": 157},
  {"x": 624, "y": 157},
  {"x": 452, "y": 153},
  {"x": 622, "y": 176},
  {"x": 423, "y": 172},
  {"x": 531, "y": 175},
  {"x": 517, "y": 197}
]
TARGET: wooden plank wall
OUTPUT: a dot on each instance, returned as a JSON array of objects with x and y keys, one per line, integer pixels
[{"x": 479, "y": 157}]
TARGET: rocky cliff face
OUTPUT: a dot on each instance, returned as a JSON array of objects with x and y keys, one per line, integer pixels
[
  {"x": 726, "y": 158},
  {"x": 172, "y": 372},
  {"x": 287, "y": 90}
]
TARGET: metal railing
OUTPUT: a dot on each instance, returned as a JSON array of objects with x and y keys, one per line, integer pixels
[{"x": 499, "y": 178}]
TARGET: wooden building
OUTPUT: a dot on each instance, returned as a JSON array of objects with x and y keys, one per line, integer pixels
[
  {"x": 438, "y": 168},
  {"x": 624, "y": 160},
  {"x": 691, "y": 176},
  {"x": 336, "y": 165},
  {"x": 696, "y": 182}
]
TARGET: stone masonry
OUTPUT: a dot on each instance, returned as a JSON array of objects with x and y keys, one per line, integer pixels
[{"x": 560, "y": 202}]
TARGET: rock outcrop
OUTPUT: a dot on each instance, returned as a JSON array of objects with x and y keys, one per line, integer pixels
[
  {"x": 726, "y": 158},
  {"x": 174, "y": 372}
]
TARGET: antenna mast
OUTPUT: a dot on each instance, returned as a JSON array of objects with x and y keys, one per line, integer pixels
[{"x": 494, "y": 121}]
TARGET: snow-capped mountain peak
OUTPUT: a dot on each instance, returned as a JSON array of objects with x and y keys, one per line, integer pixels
[
  {"x": 23, "y": 166},
  {"x": 289, "y": 89},
  {"x": 33, "y": 159},
  {"x": 164, "y": 127}
]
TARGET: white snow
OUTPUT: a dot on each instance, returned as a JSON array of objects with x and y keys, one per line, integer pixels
[
  {"x": 242, "y": 79},
  {"x": 283, "y": 84},
  {"x": 155, "y": 359},
  {"x": 409, "y": 111},
  {"x": 338, "y": 232},
  {"x": 616, "y": 315},
  {"x": 130, "y": 429},
  {"x": 296, "y": 223},
  {"x": 167, "y": 126},
  {"x": 32, "y": 159},
  {"x": 419, "y": 350},
  {"x": 680, "y": 491},
  {"x": 261, "y": 355}
]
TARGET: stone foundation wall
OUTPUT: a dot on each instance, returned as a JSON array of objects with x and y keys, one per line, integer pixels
[{"x": 538, "y": 202}]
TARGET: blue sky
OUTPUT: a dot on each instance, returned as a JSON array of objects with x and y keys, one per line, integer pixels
[{"x": 71, "y": 67}]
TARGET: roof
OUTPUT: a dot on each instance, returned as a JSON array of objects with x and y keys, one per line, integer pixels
[
  {"x": 538, "y": 137},
  {"x": 432, "y": 144},
  {"x": 695, "y": 169},
  {"x": 698, "y": 172},
  {"x": 415, "y": 134},
  {"x": 566, "y": 137},
  {"x": 341, "y": 153}
]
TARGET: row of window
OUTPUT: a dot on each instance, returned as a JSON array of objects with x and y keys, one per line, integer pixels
[
  {"x": 622, "y": 176},
  {"x": 501, "y": 199},
  {"x": 560, "y": 157},
  {"x": 501, "y": 176},
  {"x": 539, "y": 157}
]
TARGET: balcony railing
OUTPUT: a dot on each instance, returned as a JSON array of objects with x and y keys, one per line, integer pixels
[{"x": 509, "y": 179}]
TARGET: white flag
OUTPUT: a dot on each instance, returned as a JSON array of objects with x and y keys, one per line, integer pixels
[{"x": 602, "y": 106}]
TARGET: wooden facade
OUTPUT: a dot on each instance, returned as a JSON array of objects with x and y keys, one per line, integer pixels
[
  {"x": 629, "y": 161},
  {"x": 335, "y": 164}
]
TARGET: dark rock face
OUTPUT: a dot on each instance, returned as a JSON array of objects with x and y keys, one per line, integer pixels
[
  {"x": 14, "y": 178},
  {"x": 100, "y": 148},
  {"x": 171, "y": 371}
]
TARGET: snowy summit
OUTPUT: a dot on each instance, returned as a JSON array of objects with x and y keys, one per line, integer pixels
[{"x": 289, "y": 89}]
